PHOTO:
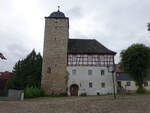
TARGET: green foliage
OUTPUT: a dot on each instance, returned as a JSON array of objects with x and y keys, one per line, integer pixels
[
  {"x": 28, "y": 92},
  {"x": 135, "y": 60},
  {"x": 42, "y": 92},
  {"x": 140, "y": 90},
  {"x": 32, "y": 92},
  {"x": 83, "y": 94},
  {"x": 10, "y": 84},
  {"x": 26, "y": 72}
]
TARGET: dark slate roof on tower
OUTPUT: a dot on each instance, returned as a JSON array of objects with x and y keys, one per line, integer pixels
[
  {"x": 57, "y": 14},
  {"x": 87, "y": 46}
]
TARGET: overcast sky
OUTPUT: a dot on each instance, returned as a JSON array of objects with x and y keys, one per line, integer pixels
[{"x": 115, "y": 23}]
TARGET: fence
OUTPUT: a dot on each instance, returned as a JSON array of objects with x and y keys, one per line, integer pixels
[{"x": 16, "y": 94}]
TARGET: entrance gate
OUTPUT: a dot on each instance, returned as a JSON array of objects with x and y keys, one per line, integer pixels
[{"x": 74, "y": 90}]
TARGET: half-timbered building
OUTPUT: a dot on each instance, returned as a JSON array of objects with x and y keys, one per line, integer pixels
[
  {"x": 87, "y": 66},
  {"x": 75, "y": 66}
]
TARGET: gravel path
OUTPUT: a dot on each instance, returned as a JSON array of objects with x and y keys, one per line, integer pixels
[{"x": 90, "y": 104}]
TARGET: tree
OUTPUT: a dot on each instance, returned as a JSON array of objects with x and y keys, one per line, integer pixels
[
  {"x": 2, "y": 56},
  {"x": 27, "y": 72},
  {"x": 135, "y": 61}
]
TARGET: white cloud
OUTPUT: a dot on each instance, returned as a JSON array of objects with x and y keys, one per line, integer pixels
[{"x": 115, "y": 23}]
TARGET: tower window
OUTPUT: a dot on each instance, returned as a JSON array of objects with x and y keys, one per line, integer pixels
[
  {"x": 74, "y": 71},
  {"x": 49, "y": 70},
  {"x": 90, "y": 72},
  {"x": 90, "y": 85}
]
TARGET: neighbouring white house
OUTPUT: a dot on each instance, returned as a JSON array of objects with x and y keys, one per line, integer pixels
[
  {"x": 88, "y": 62},
  {"x": 125, "y": 83}
]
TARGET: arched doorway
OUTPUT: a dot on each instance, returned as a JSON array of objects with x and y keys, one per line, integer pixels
[{"x": 74, "y": 90}]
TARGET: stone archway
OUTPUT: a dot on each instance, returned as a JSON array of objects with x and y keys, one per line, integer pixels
[{"x": 74, "y": 90}]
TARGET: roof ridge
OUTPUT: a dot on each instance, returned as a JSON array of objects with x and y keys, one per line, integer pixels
[
  {"x": 88, "y": 46},
  {"x": 80, "y": 39}
]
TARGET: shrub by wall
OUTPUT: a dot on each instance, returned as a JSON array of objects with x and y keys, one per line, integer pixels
[{"x": 32, "y": 92}]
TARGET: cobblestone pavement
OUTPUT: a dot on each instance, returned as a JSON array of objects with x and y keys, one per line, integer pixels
[{"x": 89, "y": 104}]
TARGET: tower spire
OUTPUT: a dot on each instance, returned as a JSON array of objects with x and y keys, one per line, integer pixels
[{"x": 58, "y": 8}]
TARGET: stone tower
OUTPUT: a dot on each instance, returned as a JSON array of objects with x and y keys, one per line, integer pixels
[{"x": 54, "y": 68}]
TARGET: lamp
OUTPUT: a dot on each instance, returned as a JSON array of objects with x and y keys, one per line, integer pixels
[{"x": 111, "y": 69}]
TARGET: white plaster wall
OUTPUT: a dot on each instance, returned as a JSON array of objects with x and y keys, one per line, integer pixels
[
  {"x": 132, "y": 86},
  {"x": 82, "y": 79}
]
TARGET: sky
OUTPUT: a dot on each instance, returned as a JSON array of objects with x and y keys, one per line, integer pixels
[{"x": 116, "y": 24}]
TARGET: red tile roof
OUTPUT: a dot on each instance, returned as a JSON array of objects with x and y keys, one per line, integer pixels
[
  {"x": 118, "y": 68},
  {"x": 5, "y": 75}
]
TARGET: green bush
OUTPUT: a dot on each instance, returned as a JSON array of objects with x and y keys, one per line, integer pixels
[
  {"x": 42, "y": 92},
  {"x": 83, "y": 94},
  {"x": 36, "y": 92},
  {"x": 32, "y": 92},
  {"x": 140, "y": 90},
  {"x": 28, "y": 92}
]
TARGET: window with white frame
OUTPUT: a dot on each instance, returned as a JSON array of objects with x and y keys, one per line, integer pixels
[
  {"x": 145, "y": 84},
  {"x": 90, "y": 60},
  {"x": 103, "y": 84},
  {"x": 89, "y": 72},
  {"x": 90, "y": 85},
  {"x": 74, "y": 72},
  {"x": 102, "y": 72},
  {"x": 128, "y": 83}
]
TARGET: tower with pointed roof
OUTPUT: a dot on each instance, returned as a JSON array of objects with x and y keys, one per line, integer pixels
[
  {"x": 74, "y": 66},
  {"x": 55, "y": 53}
]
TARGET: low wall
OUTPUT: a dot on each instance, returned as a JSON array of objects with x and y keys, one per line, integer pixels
[{"x": 16, "y": 94}]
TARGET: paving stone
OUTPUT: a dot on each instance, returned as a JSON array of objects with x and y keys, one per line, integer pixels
[{"x": 89, "y": 104}]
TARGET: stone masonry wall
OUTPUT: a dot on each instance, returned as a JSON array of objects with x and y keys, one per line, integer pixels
[{"x": 55, "y": 55}]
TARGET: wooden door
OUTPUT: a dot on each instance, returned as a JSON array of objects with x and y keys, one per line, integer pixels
[{"x": 74, "y": 90}]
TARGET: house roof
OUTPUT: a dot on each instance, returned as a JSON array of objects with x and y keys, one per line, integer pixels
[
  {"x": 87, "y": 46},
  {"x": 5, "y": 75},
  {"x": 118, "y": 68},
  {"x": 125, "y": 77},
  {"x": 57, "y": 14},
  {"x": 121, "y": 75}
]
